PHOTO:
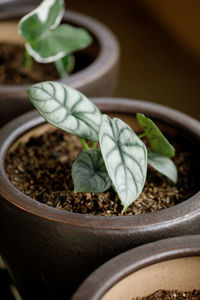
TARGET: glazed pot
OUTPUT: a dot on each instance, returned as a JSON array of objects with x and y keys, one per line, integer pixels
[
  {"x": 99, "y": 78},
  {"x": 6, "y": 5},
  {"x": 171, "y": 264},
  {"x": 51, "y": 251}
]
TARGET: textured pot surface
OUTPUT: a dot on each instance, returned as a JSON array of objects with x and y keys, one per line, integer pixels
[
  {"x": 51, "y": 250},
  {"x": 171, "y": 264},
  {"x": 98, "y": 79}
]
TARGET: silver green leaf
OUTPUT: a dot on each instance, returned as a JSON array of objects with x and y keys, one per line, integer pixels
[
  {"x": 164, "y": 165},
  {"x": 47, "y": 16},
  {"x": 62, "y": 41},
  {"x": 89, "y": 173},
  {"x": 47, "y": 42},
  {"x": 156, "y": 139},
  {"x": 125, "y": 157},
  {"x": 66, "y": 108}
]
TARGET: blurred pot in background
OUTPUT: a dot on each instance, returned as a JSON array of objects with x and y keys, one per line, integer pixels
[{"x": 96, "y": 68}]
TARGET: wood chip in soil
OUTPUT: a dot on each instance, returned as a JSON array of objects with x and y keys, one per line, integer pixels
[
  {"x": 172, "y": 295},
  {"x": 41, "y": 169}
]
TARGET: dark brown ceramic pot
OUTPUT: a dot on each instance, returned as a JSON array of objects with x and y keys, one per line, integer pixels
[
  {"x": 51, "y": 251},
  {"x": 171, "y": 264},
  {"x": 99, "y": 78}
]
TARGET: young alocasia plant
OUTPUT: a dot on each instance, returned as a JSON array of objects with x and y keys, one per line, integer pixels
[
  {"x": 46, "y": 41},
  {"x": 121, "y": 161}
]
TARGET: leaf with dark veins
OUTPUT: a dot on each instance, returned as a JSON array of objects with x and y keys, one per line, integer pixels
[
  {"x": 125, "y": 157},
  {"x": 66, "y": 108},
  {"x": 89, "y": 173}
]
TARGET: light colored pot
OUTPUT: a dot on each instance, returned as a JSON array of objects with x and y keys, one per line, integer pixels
[{"x": 171, "y": 264}]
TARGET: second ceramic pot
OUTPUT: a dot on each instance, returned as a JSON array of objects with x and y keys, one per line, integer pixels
[
  {"x": 50, "y": 251},
  {"x": 166, "y": 265}
]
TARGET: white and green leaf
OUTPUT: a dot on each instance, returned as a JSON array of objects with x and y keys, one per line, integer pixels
[
  {"x": 89, "y": 173},
  {"x": 155, "y": 137},
  {"x": 125, "y": 157},
  {"x": 66, "y": 108},
  {"x": 47, "y": 16},
  {"x": 164, "y": 165},
  {"x": 47, "y": 42},
  {"x": 54, "y": 45}
]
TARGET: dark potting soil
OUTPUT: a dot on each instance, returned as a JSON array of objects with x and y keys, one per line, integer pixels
[
  {"x": 41, "y": 169},
  {"x": 172, "y": 295},
  {"x": 12, "y": 70}
]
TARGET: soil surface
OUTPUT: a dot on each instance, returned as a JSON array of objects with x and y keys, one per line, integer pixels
[
  {"x": 12, "y": 70},
  {"x": 172, "y": 295},
  {"x": 41, "y": 169}
]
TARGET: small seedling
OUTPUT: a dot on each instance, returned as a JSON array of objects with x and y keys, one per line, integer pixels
[
  {"x": 122, "y": 158},
  {"x": 46, "y": 41}
]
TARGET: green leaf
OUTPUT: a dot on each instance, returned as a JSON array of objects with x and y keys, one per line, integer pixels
[
  {"x": 89, "y": 173},
  {"x": 164, "y": 165},
  {"x": 125, "y": 157},
  {"x": 66, "y": 108},
  {"x": 65, "y": 65},
  {"x": 53, "y": 45},
  {"x": 156, "y": 139},
  {"x": 47, "y": 42},
  {"x": 68, "y": 62},
  {"x": 45, "y": 17}
]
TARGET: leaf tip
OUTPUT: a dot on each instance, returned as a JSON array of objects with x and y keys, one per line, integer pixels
[{"x": 139, "y": 115}]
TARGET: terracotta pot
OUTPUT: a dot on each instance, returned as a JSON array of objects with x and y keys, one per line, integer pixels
[
  {"x": 51, "y": 251},
  {"x": 97, "y": 79},
  {"x": 171, "y": 264}
]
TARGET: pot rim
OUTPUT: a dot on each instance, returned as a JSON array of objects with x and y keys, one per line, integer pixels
[
  {"x": 97, "y": 284},
  {"x": 106, "y": 59},
  {"x": 166, "y": 218}
]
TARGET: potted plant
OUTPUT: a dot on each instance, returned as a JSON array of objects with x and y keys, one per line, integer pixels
[
  {"x": 56, "y": 249},
  {"x": 166, "y": 269},
  {"x": 96, "y": 66}
]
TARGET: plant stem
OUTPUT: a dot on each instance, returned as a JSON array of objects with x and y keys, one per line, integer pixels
[
  {"x": 141, "y": 135},
  {"x": 27, "y": 60},
  {"x": 60, "y": 66},
  {"x": 124, "y": 209},
  {"x": 94, "y": 146},
  {"x": 85, "y": 145},
  {"x": 69, "y": 62}
]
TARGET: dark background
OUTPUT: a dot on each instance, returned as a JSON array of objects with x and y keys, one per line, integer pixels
[{"x": 157, "y": 62}]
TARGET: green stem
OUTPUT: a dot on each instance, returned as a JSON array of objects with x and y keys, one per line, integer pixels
[
  {"x": 28, "y": 61},
  {"x": 94, "y": 146},
  {"x": 60, "y": 66},
  {"x": 141, "y": 135},
  {"x": 124, "y": 209},
  {"x": 85, "y": 145}
]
